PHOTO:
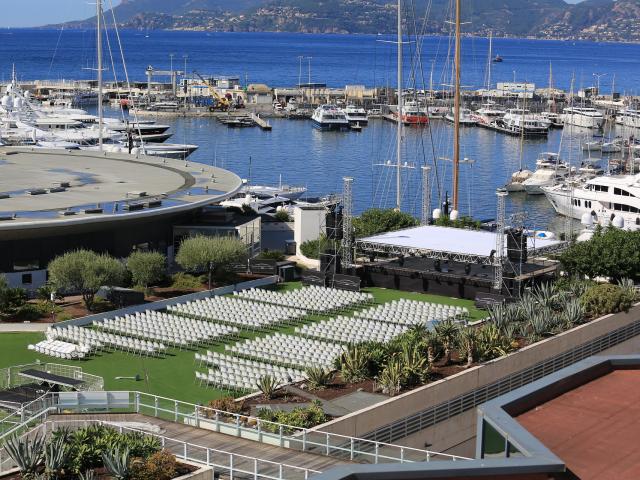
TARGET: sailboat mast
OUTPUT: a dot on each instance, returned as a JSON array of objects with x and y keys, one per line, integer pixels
[
  {"x": 99, "y": 53},
  {"x": 400, "y": 118},
  {"x": 489, "y": 60},
  {"x": 456, "y": 113}
]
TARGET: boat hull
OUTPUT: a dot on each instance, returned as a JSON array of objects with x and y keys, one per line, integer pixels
[{"x": 330, "y": 126}]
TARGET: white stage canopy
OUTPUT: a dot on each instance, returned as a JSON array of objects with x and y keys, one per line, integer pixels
[{"x": 447, "y": 243}]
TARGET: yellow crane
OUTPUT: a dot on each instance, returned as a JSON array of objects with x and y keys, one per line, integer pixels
[{"x": 220, "y": 102}]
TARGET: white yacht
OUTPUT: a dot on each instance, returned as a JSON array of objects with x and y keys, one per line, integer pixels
[
  {"x": 356, "y": 115},
  {"x": 554, "y": 119},
  {"x": 281, "y": 191},
  {"x": 488, "y": 113},
  {"x": 583, "y": 117},
  {"x": 518, "y": 121},
  {"x": 549, "y": 171},
  {"x": 329, "y": 117},
  {"x": 630, "y": 118},
  {"x": 466, "y": 118},
  {"x": 603, "y": 198}
]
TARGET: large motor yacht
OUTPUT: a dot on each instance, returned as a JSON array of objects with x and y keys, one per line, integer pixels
[
  {"x": 413, "y": 114},
  {"x": 604, "y": 198},
  {"x": 356, "y": 115},
  {"x": 488, "y": 113},
  {"x": 630, "y": 118},
  {"x": 518, "y": 121},
  {"x": 583, "y": 117},
  {"x": 329, "y": 117}
]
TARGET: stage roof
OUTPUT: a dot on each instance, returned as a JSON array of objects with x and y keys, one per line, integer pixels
[{"x": 456, "y": 241}]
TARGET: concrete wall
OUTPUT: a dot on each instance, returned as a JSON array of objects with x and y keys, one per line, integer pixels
[
  {"x": 307, "y": 223},
  {"x": 456, "y": 435},
  {"x": 38, "y": 278}
]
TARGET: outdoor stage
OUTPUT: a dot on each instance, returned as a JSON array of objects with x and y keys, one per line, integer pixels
[{"x": 456, "y": 262}]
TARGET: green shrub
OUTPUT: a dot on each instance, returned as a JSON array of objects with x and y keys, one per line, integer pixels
[
  {"x": 10, "y": 298},
  {"x": 353, "y": 364},
  {"x": 276, "y": 255},
  {"x": 161, "y": 465},
  {"x": 282, "y": 216},
  {"x": 147, "y": 268},
  {"x": 298, "y": 417},
  {"x": 313, "y": 248},
  {"x": 460, "y": 222},
  {"x": 376, "y": 220},
  {"x": 185, "y": 281},
  {"x": 33, "y": 311},
  {"x": 226, "y": 404},
  {"x": 606, "y": 298}
]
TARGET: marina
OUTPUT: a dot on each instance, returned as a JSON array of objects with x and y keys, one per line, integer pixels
[{"x": 288, "y": 256}]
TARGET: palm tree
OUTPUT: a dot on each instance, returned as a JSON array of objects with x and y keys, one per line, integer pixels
[
  {"x": 469, "y": 343},
  {"x": 432, "y": 344},
  {"x": 447, "y": 333}
]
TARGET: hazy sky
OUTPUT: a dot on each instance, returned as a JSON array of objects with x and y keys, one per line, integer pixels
[{"x": 32, "y": 13}]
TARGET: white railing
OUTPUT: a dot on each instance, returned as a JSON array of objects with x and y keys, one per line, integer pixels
[
  {"x": 231, "y": 464},
  {"x": 249, "y": 427}
]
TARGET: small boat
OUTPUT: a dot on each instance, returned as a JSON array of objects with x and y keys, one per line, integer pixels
[
  {"x": 356, "y": 127},
  {"x": 497, "y": 59}
]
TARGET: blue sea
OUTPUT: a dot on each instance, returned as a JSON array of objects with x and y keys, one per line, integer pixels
[{"x": 319, "y": 160}]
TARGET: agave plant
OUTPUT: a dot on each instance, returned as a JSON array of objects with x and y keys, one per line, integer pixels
[
  {"x": 415, "y": 367},
  {"x": 391, "y": 377},
  {"x": 572, "y": 313},
  {"x": 354, "y": 364},
  {"x": 629, "y": 289},
  {"x": 268, "y": 385},
  {"x": 499, "y": 316},
  {"x": 469, "y": 343},
  {"x": 318, "y": 377},
  {"x": 26, "y": 453},
  {"x": 492, "y": 343},
  {"x": 447, "y": 333},
  {"x": 546, "y": 295},
  {"x": 528, "y": 307},
  {"x": 55, "y": 457},
  {"x": 117, "y": 463},
  {"x": 87, "y": 475},
  {"x": 540, "y": 325}
]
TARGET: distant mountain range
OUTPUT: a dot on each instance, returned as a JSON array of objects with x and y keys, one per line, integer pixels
[{"x": 615, "y": 20}]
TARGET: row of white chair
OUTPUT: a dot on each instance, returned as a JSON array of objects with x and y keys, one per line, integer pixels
[
  {"x": 352, "y": 330},
  {"x": 312, "y": 298},
  {"x": 99, "y": 339},
  {"x": 291, "y": 350},
  {"x": 407, "y": 312}
]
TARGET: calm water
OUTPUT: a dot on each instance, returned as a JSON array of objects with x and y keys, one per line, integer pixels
[{"x": 320, "y": 160}]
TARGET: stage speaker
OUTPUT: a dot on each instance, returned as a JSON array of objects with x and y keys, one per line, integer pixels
[
  {"x": 516, "y": 245},
  {"x": 347, "y": 282},
  {"x": 330, "y": 263},
  {"x": 313, "y": 277},
  {"x": 333, "y": 223}
]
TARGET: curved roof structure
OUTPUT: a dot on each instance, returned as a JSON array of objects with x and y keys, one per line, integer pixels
[{"x": 54, "y": 188}]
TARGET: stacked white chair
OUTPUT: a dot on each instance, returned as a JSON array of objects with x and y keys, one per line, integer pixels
[
  {"x": 412, "y": 312},
  {"x": 290, "y": 350},
  {"x": 100, "y": 340},
  {"x": 243, "y": 314},
  {"x": 166, "y": 328},
  {"x": 60, "y": 349},
  {"x": 352, "y": 330},
  {"x": 234, "y": 373},
  {"x": 313, "y": 298}
]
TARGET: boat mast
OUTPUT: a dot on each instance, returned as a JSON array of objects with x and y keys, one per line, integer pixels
[
  {"x": 99, "y": 53},
  {"x": 489, "y": 60},
  {"x": 400, "y": 118},
  {"x": 456, "y": 112}
]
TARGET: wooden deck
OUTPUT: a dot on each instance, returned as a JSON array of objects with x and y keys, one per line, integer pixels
[{"x": 219, "y": 441}]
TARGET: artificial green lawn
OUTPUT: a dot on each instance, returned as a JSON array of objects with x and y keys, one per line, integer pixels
[{"x": 172, "y": 376}]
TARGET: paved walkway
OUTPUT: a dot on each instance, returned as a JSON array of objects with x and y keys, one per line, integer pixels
[
  {"x": 23, "y": 327},
  {"x": 219, "y": 441}
]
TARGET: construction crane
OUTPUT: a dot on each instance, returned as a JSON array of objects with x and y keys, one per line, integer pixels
[{"x": 221, "y": 103}]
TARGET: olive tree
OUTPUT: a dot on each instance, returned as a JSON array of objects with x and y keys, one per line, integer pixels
[
  {"x": 210, "y": 254},
  {"x": 84, "y": 272},
  {"x": 146, "y": 268}
]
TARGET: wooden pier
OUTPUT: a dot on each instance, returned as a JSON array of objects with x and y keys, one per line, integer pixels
[{"x": 263, "y": 124}]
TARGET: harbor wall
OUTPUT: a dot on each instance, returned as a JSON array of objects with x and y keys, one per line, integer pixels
[{"x": 441, "y": 414}]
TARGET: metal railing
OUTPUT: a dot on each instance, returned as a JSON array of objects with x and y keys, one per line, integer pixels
[
  {"x": 242, "y": 426},
  {"x": 10, "y": 376},
  {"x": 230, "y": 464},
  {"x": 443, "y": 411}
]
